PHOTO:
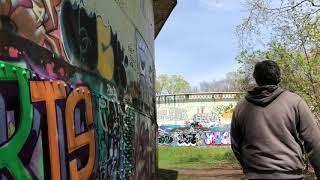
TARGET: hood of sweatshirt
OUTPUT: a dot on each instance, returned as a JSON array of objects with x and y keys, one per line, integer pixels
[{"x": 263, "y": 95}]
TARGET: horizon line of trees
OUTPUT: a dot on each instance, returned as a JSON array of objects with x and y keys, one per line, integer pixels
[{"x": 173, "y": 84}]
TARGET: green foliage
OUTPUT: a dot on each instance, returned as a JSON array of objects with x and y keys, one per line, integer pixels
[
  {"x": 195, "y": 157},
  {"x": 166, "y": 84}
]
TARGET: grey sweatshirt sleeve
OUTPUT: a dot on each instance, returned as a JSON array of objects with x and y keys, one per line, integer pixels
[
  {"x": 236, "y": 139},
  {"x": 310, "y": 134}
]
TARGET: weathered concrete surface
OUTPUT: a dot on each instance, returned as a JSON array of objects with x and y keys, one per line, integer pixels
[{"x": 162, "y": 10}]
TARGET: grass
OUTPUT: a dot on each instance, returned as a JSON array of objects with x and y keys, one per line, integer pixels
[
  {"x": 195, "y": 157},
  {"x": 171, "y": 159}
]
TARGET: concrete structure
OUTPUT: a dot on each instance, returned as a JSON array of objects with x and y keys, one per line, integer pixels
[
  {"x": 162, "y": 10},
  {"x": 77, "y": 94},
  {"x": 195, "y": 119}
]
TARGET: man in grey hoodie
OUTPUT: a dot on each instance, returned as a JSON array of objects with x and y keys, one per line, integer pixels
[{"x": 269, "y": 128}]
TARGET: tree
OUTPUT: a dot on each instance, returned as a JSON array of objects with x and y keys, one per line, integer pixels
[
  {"x": 286, "y": 20},
  {"x": 194, "y": 89},
  {"x": 166, "y": 84},
  {"x": 228, "y": 84},
  {"x": 162, "y": 83}
]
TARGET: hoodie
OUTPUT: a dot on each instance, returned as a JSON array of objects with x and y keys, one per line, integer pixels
[{"x": 268, "y": 129}]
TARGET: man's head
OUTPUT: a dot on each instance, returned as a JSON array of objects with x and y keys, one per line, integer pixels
[{"x": 267, "y": 72}]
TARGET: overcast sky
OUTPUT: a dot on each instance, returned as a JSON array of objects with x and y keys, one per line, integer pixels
[{"x": 199, "y": 41}]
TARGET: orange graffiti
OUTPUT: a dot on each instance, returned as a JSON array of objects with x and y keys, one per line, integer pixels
[
  {"x": 49, "y": 91},
  {"x": 87, "y": 138}
]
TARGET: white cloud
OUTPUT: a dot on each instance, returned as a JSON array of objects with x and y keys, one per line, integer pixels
[
  {"x": 211, "y": 4},
  {"x": 216, "y": 4}
]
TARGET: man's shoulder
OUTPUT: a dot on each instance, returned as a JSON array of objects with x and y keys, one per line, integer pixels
[
  {"x": 287, "y": 96},
  {"x": 242, "y": 100},
  {"x": 290, "y": 96},
  {"x": 240, "y": 103}
]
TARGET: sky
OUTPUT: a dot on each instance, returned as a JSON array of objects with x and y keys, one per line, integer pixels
[{"x": 198, "y": 41}]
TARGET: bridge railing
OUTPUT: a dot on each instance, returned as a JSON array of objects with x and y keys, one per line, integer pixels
[{"x": 191, "y": 97}]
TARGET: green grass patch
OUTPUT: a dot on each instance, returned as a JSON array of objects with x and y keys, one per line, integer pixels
[{"x": 195, "y": 157}]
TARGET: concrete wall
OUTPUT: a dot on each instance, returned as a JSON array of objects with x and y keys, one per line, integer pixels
[
  {"x": 195, "y": 119},
  {"x": 77, "y": 94}
]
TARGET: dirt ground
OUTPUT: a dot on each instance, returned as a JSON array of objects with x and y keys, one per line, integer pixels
[{"x": 206, "y": 174}]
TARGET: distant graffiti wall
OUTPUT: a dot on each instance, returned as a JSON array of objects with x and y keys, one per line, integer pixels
[
  {"x": 195, "y": 120},
  {"x": 77, "y": 94}
]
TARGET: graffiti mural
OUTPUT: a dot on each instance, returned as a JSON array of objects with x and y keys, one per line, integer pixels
[
  {"x": 77, "y": 94},
  {"x": 36, "y": 20},
  {"x": 194, "y": 136},
  {"x": 195, "y": 122},
  {"x": 144, "y": 148}
]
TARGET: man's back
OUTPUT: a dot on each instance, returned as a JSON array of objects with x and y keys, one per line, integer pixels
[{"x": 266, "y": 128}]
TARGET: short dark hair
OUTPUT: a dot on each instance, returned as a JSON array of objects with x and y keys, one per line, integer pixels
[{"x": 267, "y": 72}]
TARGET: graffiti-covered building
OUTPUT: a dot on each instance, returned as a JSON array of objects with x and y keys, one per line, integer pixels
[
  {"x": 77, "y": 94},
  {"x": 195, "y": 119}
]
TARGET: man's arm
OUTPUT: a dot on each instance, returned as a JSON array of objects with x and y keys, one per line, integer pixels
[
  {"x": 236, "y": 139},
  {"x": 310, "y": 134}
]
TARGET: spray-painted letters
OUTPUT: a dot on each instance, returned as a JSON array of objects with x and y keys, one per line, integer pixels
[{"x": 76, "y": 90}]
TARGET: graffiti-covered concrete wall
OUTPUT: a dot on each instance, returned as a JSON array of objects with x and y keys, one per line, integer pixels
[
  {"x": 195, "y": 119},
  {"x": 77, "y": 94}
]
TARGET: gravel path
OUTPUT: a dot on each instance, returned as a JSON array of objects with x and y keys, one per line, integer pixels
[{"x": 206, "y": 174}]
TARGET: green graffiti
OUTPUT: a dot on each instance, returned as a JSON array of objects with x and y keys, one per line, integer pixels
[{"x": 10, "y": 150}]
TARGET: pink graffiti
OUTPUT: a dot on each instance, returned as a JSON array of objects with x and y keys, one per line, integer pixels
[
  {"x": 209, "y": 138},
  {"x": 20, "y": 3},
  {"x": 216, "y": 138},
  {"x": 13, "y": 52},
  {"x": 226, "y": 138}
]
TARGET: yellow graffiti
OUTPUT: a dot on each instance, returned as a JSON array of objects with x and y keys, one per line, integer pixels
[
  {"x": 227, "y": 115},
  {"x": 11, "y": 129},
  {"x": 105, "y": 51}
]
